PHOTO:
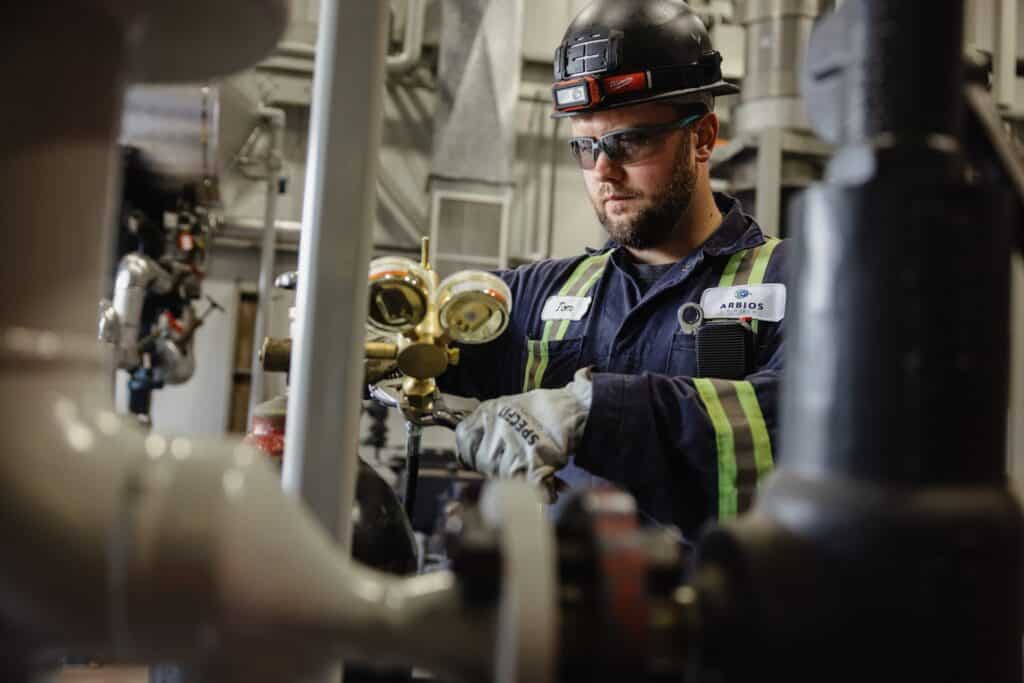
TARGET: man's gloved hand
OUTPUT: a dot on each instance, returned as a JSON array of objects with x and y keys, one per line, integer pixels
[{"x": 526, "y": 435}]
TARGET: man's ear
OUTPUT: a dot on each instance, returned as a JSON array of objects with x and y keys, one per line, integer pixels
[{"x": 707, "y": 134}]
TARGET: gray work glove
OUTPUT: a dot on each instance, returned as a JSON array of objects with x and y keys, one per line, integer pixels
[{"x": 527, "y": 435}]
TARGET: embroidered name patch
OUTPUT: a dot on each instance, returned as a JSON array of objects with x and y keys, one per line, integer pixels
[
  {"x": 565, "y": 308},
  {"x": 760, "y": 302}
]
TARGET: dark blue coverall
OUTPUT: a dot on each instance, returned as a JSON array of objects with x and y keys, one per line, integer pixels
[{"x": 688, "y": 449}]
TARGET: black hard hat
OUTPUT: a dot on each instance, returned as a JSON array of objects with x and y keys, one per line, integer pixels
[{"x": 622, "y": 52}]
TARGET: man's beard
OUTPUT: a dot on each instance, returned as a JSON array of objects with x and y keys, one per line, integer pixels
[{"x": 653, "y": 225}]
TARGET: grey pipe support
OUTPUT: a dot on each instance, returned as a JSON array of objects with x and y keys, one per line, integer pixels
[{"x": 274, "y": 119}]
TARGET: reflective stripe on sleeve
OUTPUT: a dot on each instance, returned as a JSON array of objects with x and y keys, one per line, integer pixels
[{"x": 741, "y": 440}]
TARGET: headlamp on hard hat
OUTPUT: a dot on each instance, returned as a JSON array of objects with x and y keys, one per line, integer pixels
[{"x": 589, "y": 91}]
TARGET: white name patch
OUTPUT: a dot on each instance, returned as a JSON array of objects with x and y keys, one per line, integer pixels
[
  {"x": 760, "y": 302},
  {"x": 565, "y": 308}
]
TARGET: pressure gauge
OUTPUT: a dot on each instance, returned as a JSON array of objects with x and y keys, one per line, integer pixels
[
  {"x": 398, "y": 294},
  {"x": 474, "y": 306}
]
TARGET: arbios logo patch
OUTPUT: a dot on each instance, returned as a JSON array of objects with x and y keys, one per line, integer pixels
[{"x": 760, "y": 302}]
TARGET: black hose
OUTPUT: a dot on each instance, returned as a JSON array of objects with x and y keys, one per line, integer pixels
[{"x": 412, "y": 467}]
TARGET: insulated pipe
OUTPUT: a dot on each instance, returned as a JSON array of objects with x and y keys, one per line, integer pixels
[
  {"x": 275, "y": 121},
  {"x": 136, "y": 274},
  {"x": 412, "y": 42},
  {"x": 178, "y": 546}
]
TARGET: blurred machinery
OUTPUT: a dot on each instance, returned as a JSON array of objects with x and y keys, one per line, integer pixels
[
  {"x": 221, "y": 140},
  {"x": 886, "y": 546},
  {"x": 162, "y": 246}
]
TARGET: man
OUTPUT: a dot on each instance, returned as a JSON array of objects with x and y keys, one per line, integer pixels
[{"x": 607, "y": 370}]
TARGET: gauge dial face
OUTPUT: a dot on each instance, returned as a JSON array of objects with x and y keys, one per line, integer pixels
[
  {"x": 398, "y": 295},
  {"x": 474, "y": 306}
]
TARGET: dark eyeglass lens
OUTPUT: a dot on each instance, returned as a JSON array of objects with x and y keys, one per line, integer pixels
[
  {"x": 629, "y": 146},
  {"x": 583, "y": 150}
]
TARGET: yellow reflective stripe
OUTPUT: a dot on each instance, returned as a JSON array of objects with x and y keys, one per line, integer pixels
[
  {"x": 542, "y": 365},
  {"x": 764, "y": 255},
  {"x": 588, "y": 284},
  {"x": 729, "y": 274},
  {"x": 742, "y": 442},
  {"x": 728, "y": 494},
  {"x": 758, "y": 429},
  {"x": 532, "y": 358},
  {"x": 585, "y": 275}
]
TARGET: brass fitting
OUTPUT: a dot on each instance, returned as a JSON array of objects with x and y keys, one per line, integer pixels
[
  {"x": 423, "y": 353},
  {"x": 381, "y": 351}
]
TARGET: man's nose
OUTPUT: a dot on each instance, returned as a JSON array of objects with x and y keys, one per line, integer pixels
[{"x": 606, "y": 169}]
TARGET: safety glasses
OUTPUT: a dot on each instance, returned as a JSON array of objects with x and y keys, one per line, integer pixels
[{"x": 626, "y": 145}]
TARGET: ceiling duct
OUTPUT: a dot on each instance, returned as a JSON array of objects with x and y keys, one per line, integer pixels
[{"x": 471, "y": 180}]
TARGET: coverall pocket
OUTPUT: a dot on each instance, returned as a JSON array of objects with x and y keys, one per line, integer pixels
[
  {"x": 682, "y": 357},
  {"x": 550, "y": 364}
]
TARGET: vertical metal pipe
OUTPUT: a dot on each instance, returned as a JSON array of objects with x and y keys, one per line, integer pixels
[
  {"x": 1004, "y": 66},
  {"x": 327, "y": 366},
  {"x": 57, "y": 170},
  {"x": 768, "y": 199},
  {"x": 45, "y": 151},
  {"x": 334, "y": 254},
  {"x": 274, "y": 119}
]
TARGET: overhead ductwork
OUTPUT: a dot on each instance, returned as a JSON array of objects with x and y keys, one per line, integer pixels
[{"x": 471, "y": 179}]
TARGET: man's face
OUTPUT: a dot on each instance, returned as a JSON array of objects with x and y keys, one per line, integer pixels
[{"x": 640, "y": 203}]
